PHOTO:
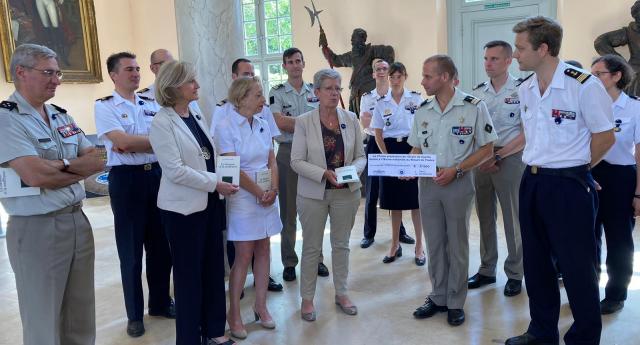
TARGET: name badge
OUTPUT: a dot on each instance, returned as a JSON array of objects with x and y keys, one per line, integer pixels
[
  {"x": 563, "y": 114},
  {"x": 68, "y": 130},
  {"x": 313, "y": 99},
  {"x": 462, "y": 130},
  {"x": 149, "y": 113},
  {"x": 512, "y": 100}
]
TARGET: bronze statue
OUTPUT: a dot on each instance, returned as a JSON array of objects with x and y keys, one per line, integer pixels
[
  {"x": 629, "y": 36},
  {"x": 360, "y": 58}
]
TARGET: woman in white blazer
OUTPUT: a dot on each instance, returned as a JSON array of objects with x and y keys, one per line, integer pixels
[
  {"x": 192, "y": 213},
  {"x": 326, "y": 139}
]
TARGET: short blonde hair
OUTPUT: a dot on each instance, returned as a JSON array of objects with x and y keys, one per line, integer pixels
[
  {"x": 172, "y": 75},
  {"x": 375, "y": 61},
  {"x": 240, "y": 89}
]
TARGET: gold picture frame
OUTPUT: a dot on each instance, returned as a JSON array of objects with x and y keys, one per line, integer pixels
[{"x": 68, "y": 27}]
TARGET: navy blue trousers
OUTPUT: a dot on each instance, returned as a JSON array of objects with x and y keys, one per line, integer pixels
[
  {"x": 372, "y": 193},
  {"x": 198, "y": 272},
  {"x": 557, "y": 216},
  {"x": 134, "y": 193},
  {"x": 615, "y": 217}
]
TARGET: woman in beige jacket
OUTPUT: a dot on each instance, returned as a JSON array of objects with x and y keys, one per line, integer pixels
[{"x": 326, "y": 139}]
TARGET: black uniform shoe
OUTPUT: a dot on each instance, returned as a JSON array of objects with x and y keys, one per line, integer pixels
[
  {"x": 274, "y": 286},
  {"x": 428, "y": 309},
  {"x": 479, "y": 280},
  {"x": 404, "y": 238},
  {"x": 608, "y": 306},
  {"x": 135, "y": 328},
  {"x": 527, "y": 339},
  {"x": 289, "y": 274},
  {"x": 455, "y": 317},
  {"x": 366, "y": 242},
  {"x": 323, "y": 271},
  {"x": 169, "y": 312},
  {"x": 513, "y": 287}
]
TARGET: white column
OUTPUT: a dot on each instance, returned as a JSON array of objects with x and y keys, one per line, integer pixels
[{"x": 210, "y": 37}]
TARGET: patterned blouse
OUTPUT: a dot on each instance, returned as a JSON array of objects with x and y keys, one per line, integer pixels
[{"x": 333, "y": 151}]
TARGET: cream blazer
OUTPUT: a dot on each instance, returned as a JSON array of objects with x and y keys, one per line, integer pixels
[
  {"x": 185, "y": 184},
  {"x": 308, "y": 156}
]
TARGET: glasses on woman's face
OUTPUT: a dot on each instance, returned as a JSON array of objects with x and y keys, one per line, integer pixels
[
  {"x": 329, "y": 89},
  {"x": 600, "y": 73}
]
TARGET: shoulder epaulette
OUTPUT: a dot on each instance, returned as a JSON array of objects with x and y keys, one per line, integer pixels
[
  {"x": 104, "y": 98},
  {"x": 522, "y": 80},
  {"x": 279, "y": 86},
  {"x": 222, "y": 102},
  {"x": 144, "y": 90},
  {"x": 472, "y": 100},
  {"x": 147, "y": 98},
  {"x": 367, "y": 93},
  {"x": 581, "y": 77},
  {"x": 484, "y": 83},
  {"x": 8, "y": 105},
  {"x": 426, "y": 101},
  {"x": 60, "y": 109},
  {"x": 634, "y": 97}
]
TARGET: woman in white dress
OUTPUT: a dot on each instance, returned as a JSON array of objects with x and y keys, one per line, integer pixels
[{"x": 252, "y": 214}]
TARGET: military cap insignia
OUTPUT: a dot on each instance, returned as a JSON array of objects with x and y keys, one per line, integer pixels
[
  {"x": 144, "y": 90},
  {"x": 480, "y": 85},
  {"x": 279, "y": 86},
  {"x": 581, "y": 77},
  {"x": 426, "y": 101},
  {"x": 472, "y": 100},
  {"x": 147, "y": 98},
  {"x": 522, "y": 80},
  {"x": 8, "y": 105},
  {"x": 222, "y": 102},
  {"x": 60, "y": 109},
  {"x": 104, "y": 98}
]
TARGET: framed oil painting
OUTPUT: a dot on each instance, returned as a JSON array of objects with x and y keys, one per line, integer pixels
[{"x": 66, "y": 26}]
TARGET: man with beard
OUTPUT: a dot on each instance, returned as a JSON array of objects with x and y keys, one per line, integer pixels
[{"x": 360, "y": 58}]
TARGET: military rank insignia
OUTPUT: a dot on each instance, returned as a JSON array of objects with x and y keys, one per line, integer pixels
[
  {"x": 581, "y": 77},
  {"x": 8, "y": 105},
  {"x": 68, "y": 130},
  {"x": 411, "y": 107},
  {"x": 488, "y": 128},
  {"x": 461, "y": 130},
  {"x": 617, "y": 128},
  {"x": 149, "y": 113},
  {"x": 512, "y": 100},
  {"x": 313, "y": 99}
]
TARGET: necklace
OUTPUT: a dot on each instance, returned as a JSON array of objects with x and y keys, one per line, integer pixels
[{"x": 190, "y": 122}]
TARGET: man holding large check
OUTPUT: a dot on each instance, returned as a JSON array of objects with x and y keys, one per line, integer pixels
[{"x": 456, "y": 129}]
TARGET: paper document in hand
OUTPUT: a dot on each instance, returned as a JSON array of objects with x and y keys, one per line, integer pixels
[
  {"x": 263, "y": 180},
  {"x": 347, "y": 174},
  {"x": 228, "y": 169},
  {"x": 11, "y": 185},
  {"x": 400, "y": 165}
]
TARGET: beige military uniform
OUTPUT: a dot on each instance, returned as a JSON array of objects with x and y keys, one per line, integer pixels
[
  {"x": 452, "y": 135},
  {"x": 503, "y": 185},
  {"x": 49, "y": 239},
  {"x": 284, "y": 99}
]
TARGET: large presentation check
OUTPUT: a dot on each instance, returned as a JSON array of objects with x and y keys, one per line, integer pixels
[{"x": 398, "y": 165}]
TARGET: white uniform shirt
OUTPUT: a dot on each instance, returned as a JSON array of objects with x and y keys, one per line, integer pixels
[
  {"x": 368, "y": 103},
  {"x": 626, "y": 119},
  {"x": 115, "y": 113},
  {"x": 395, "y": 119},
  {"x": 558, "y": 124},
  {"x": 504, "y": 108},
  {"x": 251, "y": 142},
  {"x": 225, "y": 108}
]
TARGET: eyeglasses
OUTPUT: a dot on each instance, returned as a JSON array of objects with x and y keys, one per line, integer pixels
[
  {"x": 49, "y": 73},
  {"x": 329, "y": 89},
  {"x": 598, "y": 74}
]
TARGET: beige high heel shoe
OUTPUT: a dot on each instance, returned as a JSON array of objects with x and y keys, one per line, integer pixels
[{"x": 264, "y": 323}]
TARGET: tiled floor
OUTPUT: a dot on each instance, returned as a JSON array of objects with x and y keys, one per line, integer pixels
[{"x": 386, "y": 296}]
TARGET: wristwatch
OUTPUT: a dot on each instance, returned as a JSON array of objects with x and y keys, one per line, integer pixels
[
  {"x": 497, "y": 157},
  {"x": 66, "y": 164},
  {"x": 459, "y": 172}
]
